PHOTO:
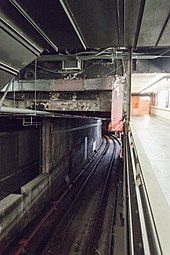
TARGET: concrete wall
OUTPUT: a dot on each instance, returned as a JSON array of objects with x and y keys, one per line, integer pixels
[
  {"x": 19, "y": 153},
  {"x": 161, "y": 104},
  {"x": 17, "y": 210},
  {"x": 66, "y": 145},
  {"x": 77, "y": 101},
  {"x": 161, "y": 112}
]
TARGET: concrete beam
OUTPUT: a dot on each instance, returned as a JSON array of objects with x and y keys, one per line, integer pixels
[
  {"x": 64, "y": 85},
  {"x": 64, "y": 101}
]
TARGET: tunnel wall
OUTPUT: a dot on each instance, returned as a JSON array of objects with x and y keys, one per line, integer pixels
[
  {"x": 66, "y": 146},
  {"x": 65, "y": 139},
  {"x": 160, "y": 112},
  {"x": 160, "y": 106},
  {"x": 19, "y": 154}
]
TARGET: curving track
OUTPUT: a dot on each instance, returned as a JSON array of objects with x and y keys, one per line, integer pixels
[{"x": 81, "y": 220}]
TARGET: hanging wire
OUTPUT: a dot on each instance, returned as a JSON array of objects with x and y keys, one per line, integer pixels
[
  {"x": 45, "y": 69},
  {"x": 35, "y": 85},
  {"x": 62, "y": 73},
  {"x": 13, "y": 89},
  {"x": 114, "y": 70}
]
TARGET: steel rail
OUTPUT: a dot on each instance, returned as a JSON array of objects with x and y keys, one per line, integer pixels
[
  {"x": 23, "y": 243},
  {"x": 91, "y": 249},
  {"x": 71, "y": 206},
  {"x": 68, "y": 212}
]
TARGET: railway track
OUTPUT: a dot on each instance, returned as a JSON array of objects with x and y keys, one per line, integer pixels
[{"x": 79, "y": 222}]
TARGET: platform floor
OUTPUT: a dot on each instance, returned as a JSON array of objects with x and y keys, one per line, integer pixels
[{"x": 154, "y": 134}]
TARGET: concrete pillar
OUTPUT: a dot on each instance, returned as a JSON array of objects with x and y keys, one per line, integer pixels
[
  {"x": 46, "y": 147},
  {"x": 129, "y": 81}
]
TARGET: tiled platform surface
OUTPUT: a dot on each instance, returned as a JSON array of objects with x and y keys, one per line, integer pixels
[
  {"x": 152, "y": 141},
  {"x": 154, "y": 134}
]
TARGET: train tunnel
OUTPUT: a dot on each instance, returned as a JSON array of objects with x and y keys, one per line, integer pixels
[{"x": 84, "y": 120}]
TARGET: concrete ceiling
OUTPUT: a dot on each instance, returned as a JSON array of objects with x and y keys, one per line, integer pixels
[
  {"x": 98, "y": 23},
  {"x": 30, "y": 28}
]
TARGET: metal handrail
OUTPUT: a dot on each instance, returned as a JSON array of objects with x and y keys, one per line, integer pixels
[
  {"x": 133, "y": 232},
  {"x": 149, "y": 227}
]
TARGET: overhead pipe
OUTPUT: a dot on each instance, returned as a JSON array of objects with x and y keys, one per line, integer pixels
[
  {"x": 101, "y": 55},
  {"x": 103, "y": 51}
]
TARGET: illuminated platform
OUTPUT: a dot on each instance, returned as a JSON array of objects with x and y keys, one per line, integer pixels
[
  {"x": 151, "y": 141},
  {"x": 154, "y": 135}
]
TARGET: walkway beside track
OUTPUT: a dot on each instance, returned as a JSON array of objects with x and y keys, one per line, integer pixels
[
  {"x": 154, "y": 135},
  {"x": 151, "y": 140}
]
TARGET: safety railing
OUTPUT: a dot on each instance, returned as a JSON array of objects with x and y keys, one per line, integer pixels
[{"x": 146, "y": 226}]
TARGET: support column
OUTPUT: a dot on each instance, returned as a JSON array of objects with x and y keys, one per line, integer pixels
[
  {"x": 46, "y": 147},
  {"x": 129, "y": 82}
]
